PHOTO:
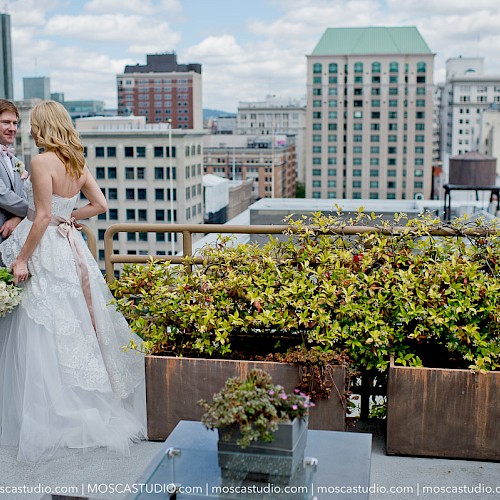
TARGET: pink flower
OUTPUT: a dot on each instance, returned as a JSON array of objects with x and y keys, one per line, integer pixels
[
  {"x": 283, "y": 395},
  {"x": 295, "y": 407}
]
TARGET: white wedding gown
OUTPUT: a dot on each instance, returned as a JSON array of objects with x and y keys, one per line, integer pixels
[{"x": 63, "y": 384}]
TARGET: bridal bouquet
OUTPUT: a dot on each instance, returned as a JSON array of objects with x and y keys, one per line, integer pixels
[{"x": 10, "y": 294}]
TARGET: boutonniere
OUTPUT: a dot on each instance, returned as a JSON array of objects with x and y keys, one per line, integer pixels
[{"x": 20, "y": 169}]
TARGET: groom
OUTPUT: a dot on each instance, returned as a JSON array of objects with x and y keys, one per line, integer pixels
[{"x": 13, "y": 204}]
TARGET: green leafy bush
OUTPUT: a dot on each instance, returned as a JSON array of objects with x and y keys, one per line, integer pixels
[{"x": 399, "y": 291}]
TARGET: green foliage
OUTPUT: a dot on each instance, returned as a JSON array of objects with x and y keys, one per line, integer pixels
[
  {"x": 255, "y": 406},
  {"x": 399, "y": 292}
]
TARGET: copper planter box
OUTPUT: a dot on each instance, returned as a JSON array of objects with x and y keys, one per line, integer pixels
[
  {"x": 443, "y": 413},
  {"x": 175, "y": 385}
]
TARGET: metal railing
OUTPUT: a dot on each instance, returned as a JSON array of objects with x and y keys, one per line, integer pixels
[{"x": 188, "y": 230}]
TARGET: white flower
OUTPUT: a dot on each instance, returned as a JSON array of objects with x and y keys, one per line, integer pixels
[
  {"x": 21, "y": 169},
  {"x": 10, "y": 295}
]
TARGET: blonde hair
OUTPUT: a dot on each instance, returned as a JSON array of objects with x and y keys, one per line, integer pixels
[{"x": 53, "y": 130}]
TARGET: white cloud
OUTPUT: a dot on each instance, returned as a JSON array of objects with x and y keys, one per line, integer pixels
[
  {"x": 111, "y": 28},
  {"x": 251, "y": 56},
  {"x": 113, "y": 6}
]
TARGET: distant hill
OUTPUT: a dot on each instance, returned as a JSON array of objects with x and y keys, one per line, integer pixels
[{"x": 215, "y": 113}]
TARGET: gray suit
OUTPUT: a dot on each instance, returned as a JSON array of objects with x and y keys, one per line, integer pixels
[{"x": 12, "y": 195}]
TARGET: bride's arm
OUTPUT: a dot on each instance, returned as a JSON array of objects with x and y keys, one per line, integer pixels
[
  {"x": 41, "y": 180},
  {"x": 97, "y": 202}
]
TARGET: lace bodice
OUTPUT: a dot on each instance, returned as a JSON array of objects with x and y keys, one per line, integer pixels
[{"x": 61, "y": 206}]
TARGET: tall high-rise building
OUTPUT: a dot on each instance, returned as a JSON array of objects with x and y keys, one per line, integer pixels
[
  {"x": 6, "y": 76},
  {"x": 36, "y": 87},
  {"x": 369, "y": 114},
  {"x": 162, "y": 90}
]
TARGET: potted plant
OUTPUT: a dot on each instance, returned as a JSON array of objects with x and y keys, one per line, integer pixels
[
  {"x": 250, "y": 410},
  {"x": 246, "y": 306},
  {"x": 254, "y": 416}
]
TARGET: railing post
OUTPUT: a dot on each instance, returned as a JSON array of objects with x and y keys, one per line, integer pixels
[{"x": 187, "y": 247}]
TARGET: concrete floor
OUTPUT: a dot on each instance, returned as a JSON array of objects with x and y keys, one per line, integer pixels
[{"x": 408, "y": 477}]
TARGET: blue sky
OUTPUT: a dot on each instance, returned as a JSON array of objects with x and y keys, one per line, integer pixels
[{"x": 247, "y": 48}]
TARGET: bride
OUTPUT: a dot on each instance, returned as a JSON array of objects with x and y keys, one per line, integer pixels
[{"x": 65, "y": 381}]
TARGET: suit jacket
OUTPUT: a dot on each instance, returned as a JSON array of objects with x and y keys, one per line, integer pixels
[{"x": 12, "y": 195}]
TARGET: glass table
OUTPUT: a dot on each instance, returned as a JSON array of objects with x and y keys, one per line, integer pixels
[{"x": 189, "y": 466}]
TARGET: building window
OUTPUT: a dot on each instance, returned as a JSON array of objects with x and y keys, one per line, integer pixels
[
  {"x": 130, "y": 213},
  {"x": 393, "y": 67},
  {"x": 111, "y": 172},
  {"x": 141, "y": 194},
  {"x": 421, "y": 67},
  {"x": 356, "y": 184},
  {"x": 374, "y": 172},
  {"x": 111, "y": 150},
  {"x": 332, "y": 172},
  {"x": 131, "y": 237},
  {"x": 99, "y": 152},
  {"x": 141, "y": 173},
  {"x": 373, "y": 196},
  {"x": 160, "y": 237},
  {"x": 376, "y": 67},
  {"x": 356, "y": 173},
  {"x": 160, "y": 215},
  {"x": 316, "y": 172},
  {"x": 113, "y": 214},
  {"x": 316, "y": 184},
  {"x": 129, "y": 152},
  {"x": 99, "y": 172},
  {"x": 317, "y": 68},
  {"x": 333, "y": 68},
  {"x": 141, "y": 152},
  {"x": 129, "y": 194},
  {"x": 112, "y": 194}
]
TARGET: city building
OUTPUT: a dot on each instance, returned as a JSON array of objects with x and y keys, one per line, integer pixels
[
  {"x": 268, "y": 160},
  {"x": 225, "y": 199},
  {"x": 6, "y": 74},
  {"x": 36, "y": 87},
  {"x": 149, "y": 173},
  {"x": 490, "y": 134},
  {"x": 276, "y": 116},
  {"x": 468, "y": 92},
  {"x": 369, "y": 114},
  {"x": 162, "y": 90},
  {"x": 25, "y": 146}
]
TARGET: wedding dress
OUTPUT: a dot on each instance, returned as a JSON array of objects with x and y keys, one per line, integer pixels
[{"x": 64, "y": 384}]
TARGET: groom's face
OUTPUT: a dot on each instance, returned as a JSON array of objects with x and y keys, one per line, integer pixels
[{"x": 8, "y": 128}]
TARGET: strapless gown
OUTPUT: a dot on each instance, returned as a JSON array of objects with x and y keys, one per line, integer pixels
[{"x": 63, "y": 384}]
